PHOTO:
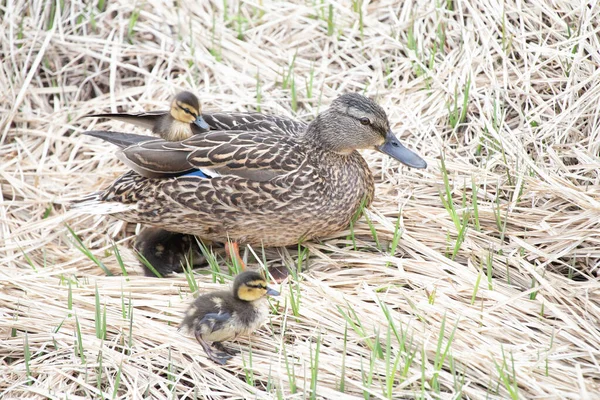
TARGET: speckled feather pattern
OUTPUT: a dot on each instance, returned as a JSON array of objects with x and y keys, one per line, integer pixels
[
  {"x": 273, "y": 181},
  {"x": 315, "y": 193}
]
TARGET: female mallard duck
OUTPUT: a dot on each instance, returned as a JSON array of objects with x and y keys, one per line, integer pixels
[
  {"x": 165, "y": 250},
  {"x": 183, "y": 120},
  {"x": 219, "y": 316},
  {"x": 259, "y": 187}
]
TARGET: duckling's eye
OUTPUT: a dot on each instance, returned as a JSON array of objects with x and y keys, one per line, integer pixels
[
  {"x": 257, "y": 286},
  {"x": 365, "y": 121},
  {"x": 187, "y": 111}
]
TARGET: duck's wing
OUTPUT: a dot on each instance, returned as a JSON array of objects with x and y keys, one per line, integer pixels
[
  {"x": 259, "y": 154},
  {"x": 245, "y": 121},
  {"x": 242, "y": 121},
  {"x": 120, "y": 139},
  {"x": 145, "y": 120}
]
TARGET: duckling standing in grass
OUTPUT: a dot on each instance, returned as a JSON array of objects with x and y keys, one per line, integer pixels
[
  {"x": 220, "y": 316},
  {"x": 183, "y": 120}
]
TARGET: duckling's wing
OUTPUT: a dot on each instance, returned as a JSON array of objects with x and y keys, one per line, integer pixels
[
  {"x": 246, "y": 122},
  {"x": 214, "y": 321},
  {"x": 145, "y": 120},
  {"x": 256, "y": 155}
]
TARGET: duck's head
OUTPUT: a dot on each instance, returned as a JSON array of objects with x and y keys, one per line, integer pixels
[
  {"x": 186, "y": 108},
  {"x": 355, "y": 122},
  {"x": 250, "y": 286}
]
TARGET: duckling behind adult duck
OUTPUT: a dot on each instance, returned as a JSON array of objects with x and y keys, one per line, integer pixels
[
  {"x": 220, "y": 316},
  {"x": 255, "y": 187},
  {"x": 183, "y": 120}
]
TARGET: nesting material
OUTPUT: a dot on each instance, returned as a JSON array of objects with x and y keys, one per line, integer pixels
[{"x": 516, "y": 302}]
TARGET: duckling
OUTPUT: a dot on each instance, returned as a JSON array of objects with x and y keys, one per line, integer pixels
[
  {"x": 219, "y": 316},
  {"x": 167, "y": 251},
  {"x": 183, "y": 120}
]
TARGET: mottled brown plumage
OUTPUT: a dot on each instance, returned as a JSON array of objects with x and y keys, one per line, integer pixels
[
  {"x": 261, "y": 186},
  {"x": 225, "y": 315}
]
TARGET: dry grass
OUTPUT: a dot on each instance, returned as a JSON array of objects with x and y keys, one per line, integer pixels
[{"x": 515, "y": 302}]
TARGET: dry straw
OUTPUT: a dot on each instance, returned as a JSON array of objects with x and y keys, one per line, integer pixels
[{"x": 486, "y": 287}]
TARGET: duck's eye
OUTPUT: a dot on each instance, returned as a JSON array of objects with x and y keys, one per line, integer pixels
[{"x": 365, "y": 121}]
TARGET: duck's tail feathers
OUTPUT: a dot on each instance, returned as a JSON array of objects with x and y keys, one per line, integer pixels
[
  {"x": 93, "y": 204},
  {"x": 120, "y": 139}
]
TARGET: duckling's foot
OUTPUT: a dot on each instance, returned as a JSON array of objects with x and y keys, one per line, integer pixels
[
  {"x": 219, "y": 346},
  {"x": 220, "y": 358},
  {"x": 279, "y": 273}
]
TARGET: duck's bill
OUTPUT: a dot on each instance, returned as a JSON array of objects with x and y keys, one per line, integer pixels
[
  {"x": 201, "y": 123},
  {"x": 393, "y": 148},
  {"x": 272, "y": 292}
]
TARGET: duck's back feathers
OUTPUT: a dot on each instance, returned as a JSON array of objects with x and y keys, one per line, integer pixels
[
  {"x": 249, "y": 154},
  {"x": 157, "y": 121},
  {"x": 246, "y": 121}
]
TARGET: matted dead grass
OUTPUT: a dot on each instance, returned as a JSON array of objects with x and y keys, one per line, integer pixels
[{"x": 517, "y": 304}]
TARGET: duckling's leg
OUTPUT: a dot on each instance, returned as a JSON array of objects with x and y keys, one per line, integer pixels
[
  {"x": 219, "y": 346},
  {"x": 219, "y": 358},
  {"x": 232, "y": 249}
]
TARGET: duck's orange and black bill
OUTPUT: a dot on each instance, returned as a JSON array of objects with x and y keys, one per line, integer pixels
[{"x": 393, "y": 148}]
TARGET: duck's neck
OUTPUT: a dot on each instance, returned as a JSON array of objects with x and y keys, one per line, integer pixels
[{"x": 322, "y": 132}]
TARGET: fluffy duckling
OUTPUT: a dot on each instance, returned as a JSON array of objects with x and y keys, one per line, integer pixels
[
  {"x": 219, "y": 316},
  {"x": 183, "y": 120},
  {"x": 167, "y": 251}
]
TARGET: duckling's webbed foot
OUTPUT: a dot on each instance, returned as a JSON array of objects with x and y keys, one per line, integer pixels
[
  {"x": 221, "y": 347},
  {"x": 220, "y": 357}
]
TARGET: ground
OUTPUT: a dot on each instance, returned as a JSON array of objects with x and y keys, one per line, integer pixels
[{"x": 474, "y": 278}]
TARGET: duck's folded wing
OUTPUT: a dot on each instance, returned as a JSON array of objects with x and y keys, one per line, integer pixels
[
  {"x": 253, "y": 155},
  {"x": 121, "y": 139},
  {"x": 245, "y": 121},
  {"x": 145, "y": 120}
]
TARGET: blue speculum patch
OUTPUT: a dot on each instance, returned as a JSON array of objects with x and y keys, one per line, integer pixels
[{"x": 196, "y": 173}]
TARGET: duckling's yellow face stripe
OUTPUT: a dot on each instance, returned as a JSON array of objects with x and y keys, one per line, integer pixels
[
  {"x": 184, "y": 112},
  {"x": 253, "y": 290}
]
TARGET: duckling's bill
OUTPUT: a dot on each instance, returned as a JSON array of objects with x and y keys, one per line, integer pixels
[
  {"x": 393, "y": 148},
  {"x": 272, "y": 292},
  {"x": 201, "y": 123}
]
